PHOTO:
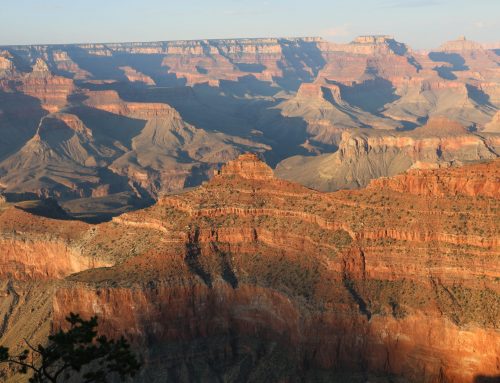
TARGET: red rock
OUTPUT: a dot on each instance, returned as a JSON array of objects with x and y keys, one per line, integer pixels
[
  {"x": 479, "y": 180},
  {"x": 253, "y": 255},
  {"x": 247, "y": 166},
  {"x": 135, "y": 76}
]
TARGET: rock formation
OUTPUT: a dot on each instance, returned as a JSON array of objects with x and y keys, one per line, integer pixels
[
  {"x": 494, "y": 125},
  {"x": 479, "y": 180},
  {"x": 135, "y": 76},
  {"x": 257, "y": 275},
  {"x": 157, "y": 117},
  {"x": 52, "y": 91},
  {"x": 247, "y": 166},
  {"x": 66, "y": 65},
  {"x": 366, "y": 155},
  {"x": 6, "y": 64},
  {"x": 460, "y": 44}
]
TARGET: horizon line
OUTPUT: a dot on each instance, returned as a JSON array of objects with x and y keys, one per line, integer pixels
[{"x": 311, "y": 37}]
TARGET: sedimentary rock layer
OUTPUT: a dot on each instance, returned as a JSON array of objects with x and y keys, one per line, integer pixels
[{"x": 398, "y": 280}]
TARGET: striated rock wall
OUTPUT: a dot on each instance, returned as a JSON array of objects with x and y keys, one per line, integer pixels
[
  {"x": 480, "y": 180},
  {"x": 110, "y": 101},
  {"x": 460, "y": 44},
  {"x": 65, "y": 64},
  {"x": 384, "y": 345},
  {"x": 52, "y": 91},
  {"x": 35, "y": 248},
  {"x": 40, "y": 259},
  {"x": 247, "y": 166}
]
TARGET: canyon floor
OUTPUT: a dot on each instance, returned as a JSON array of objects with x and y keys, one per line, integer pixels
[{"x": 252, "y": 278}]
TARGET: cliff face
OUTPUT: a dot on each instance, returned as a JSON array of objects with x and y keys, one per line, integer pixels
[
  {"x": 65, "y": 65},
  {"x": 37, "y": 249},
  {"x": 382, "y": 345},
  {"x": 6, "y": 64},
  {"x": 212, "y": 61},
  {"x": 110, "y": 101},
  {"x": 247, "y": 166},
  {"x": 52, "y": 91},
  {"x": 494, "y": 124},
  {"x": 249, "y": 271},
  {"x": 135, "y": 76},
  {"x": 480, "y": 180}
]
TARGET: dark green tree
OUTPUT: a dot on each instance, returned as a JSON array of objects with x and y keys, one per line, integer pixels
[{"x": 77, "y": 351}]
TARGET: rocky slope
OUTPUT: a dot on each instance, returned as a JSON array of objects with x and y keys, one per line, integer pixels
[
  {"x": 142, "y": 148},
  {"x": 253, "y": 278}
]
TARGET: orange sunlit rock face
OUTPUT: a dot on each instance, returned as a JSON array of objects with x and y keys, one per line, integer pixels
[{"x": 247, "y": 166}]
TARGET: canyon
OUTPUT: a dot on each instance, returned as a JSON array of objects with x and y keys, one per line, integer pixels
[
  {"x": 257, "y": 210},
  {"x": 249, "y": 277},
  {"x": 121, "y": 124}
]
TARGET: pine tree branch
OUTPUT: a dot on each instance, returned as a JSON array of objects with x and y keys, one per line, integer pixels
[
  {"x": 31, "y": 347},
  {"x": 22, "y": 364}
]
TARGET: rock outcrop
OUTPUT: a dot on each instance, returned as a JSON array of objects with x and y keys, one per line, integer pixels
[
  {"x": 66, "y": 65},
  {"x": 247, "y": 166},
  {"x": 6, "y": 64},
  {"x": 494, "y": 125},
  {"x": 135, "y": 76},
  {"x": 479, "y": 180},
  {"x": 35, "y": 248},
  {"x": 461, "y": 44},
  {"x": 52, "y": 91}
]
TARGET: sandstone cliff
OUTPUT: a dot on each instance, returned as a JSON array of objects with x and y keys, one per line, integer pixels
[
  {"x": 52, "y": 91},
  {"x": 480, "y": 180}
]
